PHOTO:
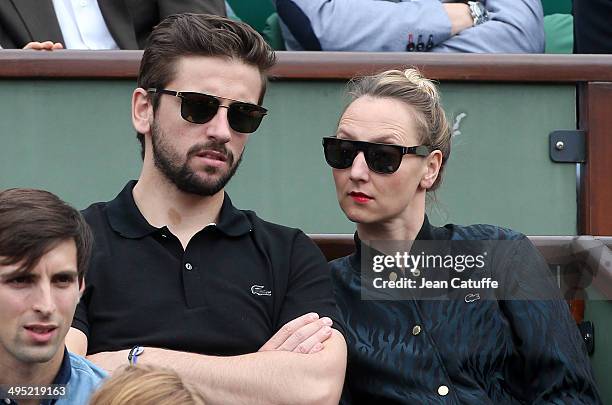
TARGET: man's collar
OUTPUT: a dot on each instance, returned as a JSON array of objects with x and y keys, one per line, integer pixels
[
  {"x": 126, "y": 219},
  {"x": 232, "y": 221}
]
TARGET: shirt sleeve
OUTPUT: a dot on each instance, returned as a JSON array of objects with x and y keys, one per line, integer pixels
[
  {"x": 515, "y": 26},
  {"x": 309, "y": 288},
  {"x": 360, "y": 25},
  {"x": 552, "y": 364}
]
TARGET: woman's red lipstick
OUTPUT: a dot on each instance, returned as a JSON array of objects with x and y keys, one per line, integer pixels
[{"x": 360, "y": 198}]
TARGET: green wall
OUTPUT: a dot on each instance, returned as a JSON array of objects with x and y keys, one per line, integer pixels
[{"x": 75, "y": 138}]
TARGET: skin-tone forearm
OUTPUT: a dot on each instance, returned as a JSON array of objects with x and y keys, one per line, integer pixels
[
  {"x": 460, "y": 17},
  {"x": 269, "y": 377}
]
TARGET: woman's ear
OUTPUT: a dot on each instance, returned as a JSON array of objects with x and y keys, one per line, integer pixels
[
  {"x": 432, "y": 169},
  {"x": 142, "y": 111}
]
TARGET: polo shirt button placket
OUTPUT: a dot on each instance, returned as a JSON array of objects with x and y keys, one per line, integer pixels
[{"x": 192, "y": 283}]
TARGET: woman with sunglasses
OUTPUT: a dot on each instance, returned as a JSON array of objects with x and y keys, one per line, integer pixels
[{"x": 463, "y": 346}]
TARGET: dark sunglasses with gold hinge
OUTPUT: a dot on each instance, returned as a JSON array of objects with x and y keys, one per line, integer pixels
[{"x": 200, "y": 108}]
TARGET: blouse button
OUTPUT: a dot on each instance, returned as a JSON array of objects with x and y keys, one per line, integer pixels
[
  {"x": 443, "y": 390},
  {"x": 416, "y": 330}
]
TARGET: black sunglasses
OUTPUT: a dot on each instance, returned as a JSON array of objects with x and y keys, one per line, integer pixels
[
  {"x": 381, "y": 157},
  {"x": 200, "y": 108}
]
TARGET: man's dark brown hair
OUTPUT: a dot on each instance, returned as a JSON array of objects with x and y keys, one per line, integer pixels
[
  {"x": 199, "y": 35},
  {"x": 33, "y": 222}
]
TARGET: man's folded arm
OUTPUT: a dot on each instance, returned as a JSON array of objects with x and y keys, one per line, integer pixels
[{"x": 269, "y": 377}]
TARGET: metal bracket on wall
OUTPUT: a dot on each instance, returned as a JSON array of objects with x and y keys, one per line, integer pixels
[
  {"x": 587, "y": 330},
  {"x": 567, "y": 146}
]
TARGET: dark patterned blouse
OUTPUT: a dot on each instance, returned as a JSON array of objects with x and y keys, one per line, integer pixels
[{"x": 462, "y": 351}]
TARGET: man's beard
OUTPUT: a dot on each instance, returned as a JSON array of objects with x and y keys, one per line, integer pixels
[{"x": 181, "y": 175}]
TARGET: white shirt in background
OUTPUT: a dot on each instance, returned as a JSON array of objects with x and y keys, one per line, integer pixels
[{"x": 82, "y": 25}]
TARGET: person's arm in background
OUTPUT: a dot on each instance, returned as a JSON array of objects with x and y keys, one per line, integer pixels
[
  {"x": 368, "y": 25},
  {"x": 515, "y": 26}
]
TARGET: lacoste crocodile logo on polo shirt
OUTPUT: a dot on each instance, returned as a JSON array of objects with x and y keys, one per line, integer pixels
[{"x": 259, "y": 290}]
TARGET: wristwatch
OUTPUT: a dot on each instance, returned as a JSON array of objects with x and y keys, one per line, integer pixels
[
  {"x": 134, "y": 353},
  {"x": 478, "y": 11}
]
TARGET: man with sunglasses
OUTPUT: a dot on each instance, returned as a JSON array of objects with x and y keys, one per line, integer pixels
[{"x": 179, "y": 277}]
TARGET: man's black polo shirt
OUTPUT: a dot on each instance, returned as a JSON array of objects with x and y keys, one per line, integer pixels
[{"x": 233, "y": 287}]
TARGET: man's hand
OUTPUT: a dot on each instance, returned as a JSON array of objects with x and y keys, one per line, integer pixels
[
  {"x": 460, "y": 17},
  {"x": 44, "y": 46},
  {"x": 305, "y": 334}
]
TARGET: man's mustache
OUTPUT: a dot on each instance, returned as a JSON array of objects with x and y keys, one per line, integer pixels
[{"x": 211, "y": 146}]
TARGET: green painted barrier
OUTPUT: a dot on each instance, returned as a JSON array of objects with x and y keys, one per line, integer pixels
[{"x": 75, "y": 138}]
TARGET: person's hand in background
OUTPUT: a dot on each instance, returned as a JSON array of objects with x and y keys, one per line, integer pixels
[
  {"x": 44, "y": 46},
  {"x": 460, "y": 17}
]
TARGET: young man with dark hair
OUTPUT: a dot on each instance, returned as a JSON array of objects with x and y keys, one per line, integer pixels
[
  {"x": 44, "y": 251},
  {"x": 180, "y": 277}
]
